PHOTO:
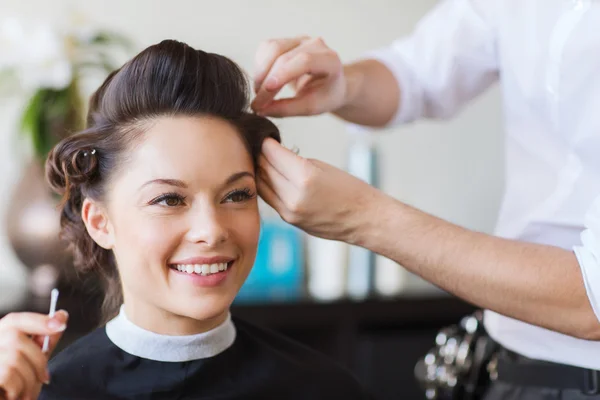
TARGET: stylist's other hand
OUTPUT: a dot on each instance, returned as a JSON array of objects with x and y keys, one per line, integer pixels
[
  {"x": 318, "y": 198},
  {"x": 23, "y": 365},
  {"x": 313, "y": 69}
]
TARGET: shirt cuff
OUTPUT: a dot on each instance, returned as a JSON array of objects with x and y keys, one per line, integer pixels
[{"x": 588, "y": 256}]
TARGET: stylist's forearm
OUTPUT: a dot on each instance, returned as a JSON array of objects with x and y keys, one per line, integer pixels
[
  {"x": 541, "y": 285},
  {"x": 372, "y": 94}
]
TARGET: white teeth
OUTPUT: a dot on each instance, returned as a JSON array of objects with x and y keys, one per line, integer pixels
[{"x": 201, "y": 269}]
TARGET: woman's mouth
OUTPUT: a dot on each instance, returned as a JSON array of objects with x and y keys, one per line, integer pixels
[
  {"x": 202, "y": 269},
  {"x": 202, "y": 275}
]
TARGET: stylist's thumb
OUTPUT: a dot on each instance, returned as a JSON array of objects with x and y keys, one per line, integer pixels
[
  {"x": 37, "y": 326},
  {"x": 58, "y": 324}
]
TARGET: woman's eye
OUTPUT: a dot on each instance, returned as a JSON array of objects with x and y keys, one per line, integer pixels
[
  {"x": 172, "y": 201},
  {"x": 239, "y": 196},
  {"x": 169, "y": 200}
]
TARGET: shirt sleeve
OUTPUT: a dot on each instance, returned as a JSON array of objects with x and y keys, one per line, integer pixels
[
  {"x": 448, "y": 59},
  {"x": 588, "y": 256}
]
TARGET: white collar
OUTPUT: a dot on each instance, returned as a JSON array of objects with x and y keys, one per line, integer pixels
[{"x": 153, "y": 346}]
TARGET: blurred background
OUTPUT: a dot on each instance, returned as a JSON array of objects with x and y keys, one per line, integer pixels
[{"x": 363, "y": 310}]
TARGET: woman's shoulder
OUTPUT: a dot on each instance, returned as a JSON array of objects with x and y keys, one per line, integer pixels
[
  {"x": 315, "y": 372},
  {"x": 91, "y": 346},
  {"x": 73, "y": 369}
]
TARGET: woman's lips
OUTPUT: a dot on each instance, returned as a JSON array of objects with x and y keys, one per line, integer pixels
[
  {"x": 204, "y": 275},
  {"x": 203, "y": 260}
]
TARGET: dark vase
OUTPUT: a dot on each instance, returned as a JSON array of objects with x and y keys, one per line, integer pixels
[{"x": 33, "y": 227}]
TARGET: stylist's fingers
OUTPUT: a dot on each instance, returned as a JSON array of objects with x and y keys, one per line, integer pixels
[
  {"x": 319, "y": 64},
  {"x": 268, "y": 52},
  {"x": 19, "y": 361},
  {"x": 12, "y": 384},
  {"x": 33, "y": 323},
  {"x": 312, "y": 58},
  {"x": 276, "y": 181},
  {"x": 305, "y": 82},
  {"x": 287, "y": 163},
  {"x": 303, "y": 106},
  {"x": 268, "y": 195},
  {"x": 32, "y": 354},
  {"x": 62, "y": 316},
  {"x": 274, "y": 82},
  {"x": 305, "y": 68}
]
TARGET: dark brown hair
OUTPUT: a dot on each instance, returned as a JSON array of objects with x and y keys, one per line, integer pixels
[{"x": 166, "y": 79}]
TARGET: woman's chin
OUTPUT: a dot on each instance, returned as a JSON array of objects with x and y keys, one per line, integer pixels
[
  {"x": 207, "y": 309},
  {"x": 205, "y": 298}
]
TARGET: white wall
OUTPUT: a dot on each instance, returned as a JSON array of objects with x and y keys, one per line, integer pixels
[{"x": 452, "y": 169}]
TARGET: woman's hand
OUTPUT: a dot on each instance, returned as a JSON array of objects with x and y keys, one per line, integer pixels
[{"x": 23, "y": 365}]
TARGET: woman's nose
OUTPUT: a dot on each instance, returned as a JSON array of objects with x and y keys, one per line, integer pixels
[{"x": 206, "y": 227}]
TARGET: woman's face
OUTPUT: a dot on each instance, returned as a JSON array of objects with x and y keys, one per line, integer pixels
[{"x": 183, "y": 222}]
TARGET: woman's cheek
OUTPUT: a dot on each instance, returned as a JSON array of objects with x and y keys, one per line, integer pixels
[
  {"x": 247, "y": 232},
  {"x": 247, "y": 225},
  {"x": 148, "y": 235}
]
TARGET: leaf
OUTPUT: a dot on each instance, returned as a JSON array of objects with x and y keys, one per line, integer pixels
[
  {"x": 31, "y": 114},
  {"x": 57, "y": 104},
  {"x": 30, "y": 122},
  {"x": 51, "y": 114},
  {"x": 53, "y": 111},
  {"x": 47, "y": 111},
  {"x": 111, "y": 38}
]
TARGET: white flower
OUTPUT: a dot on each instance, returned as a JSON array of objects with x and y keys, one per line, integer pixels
[
  {"x": 38, "y": 54},
  {"x": 11, "y": 35}
]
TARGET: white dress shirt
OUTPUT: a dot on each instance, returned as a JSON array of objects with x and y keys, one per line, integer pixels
[{"x": 545, "y": 54}]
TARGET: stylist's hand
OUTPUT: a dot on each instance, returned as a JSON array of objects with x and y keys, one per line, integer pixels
[
  {"x": 23, "y": 365},
  {"x": 316, "y": 197},
  {"x": 313, "y": 69}
]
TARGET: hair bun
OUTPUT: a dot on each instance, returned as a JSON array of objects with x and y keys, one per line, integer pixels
[
  {"x": 84, "y": 165},
  {"x": 71, "y": 164}
]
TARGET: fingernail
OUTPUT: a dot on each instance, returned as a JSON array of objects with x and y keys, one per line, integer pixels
[
  {"x": 56, "y": 326},
  {"x": 271, "y": 83},
  {"x": 47, "y": 377}
]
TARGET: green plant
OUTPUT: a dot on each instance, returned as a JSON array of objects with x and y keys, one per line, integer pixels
[{"x": 48, "y": 65}]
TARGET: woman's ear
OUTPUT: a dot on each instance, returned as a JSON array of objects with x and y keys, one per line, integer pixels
[{"x": 97, "y": 223}]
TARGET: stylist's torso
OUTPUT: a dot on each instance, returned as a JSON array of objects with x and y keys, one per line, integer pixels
[
  {"x": 547, "y": 53},
  {"x": 550, "y": 59}
]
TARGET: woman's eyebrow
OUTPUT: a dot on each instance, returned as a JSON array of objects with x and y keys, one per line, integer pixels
[
  {"x": 237, "y": 176},
  {"x": 178, "y": 183},
  {"x": 170, "y": 182}
]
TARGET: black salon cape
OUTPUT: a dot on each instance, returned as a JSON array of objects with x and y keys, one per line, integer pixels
[{"x": 259, "y": 365}]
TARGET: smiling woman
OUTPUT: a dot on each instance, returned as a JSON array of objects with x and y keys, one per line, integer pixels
[{"x": 160, "y": 199}]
